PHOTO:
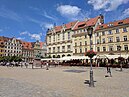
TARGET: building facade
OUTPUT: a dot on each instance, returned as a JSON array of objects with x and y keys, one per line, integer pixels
[
  {"x": 12, "y": 47},
  {"x": 68, "y": 39},
  {"x": 59, "y": 40},
  {"x": 27, "y": 52},
  {"x": 110, "y": 38},
  {"x": 113, "y": 37},
  {"x": 81, "y": 41}
]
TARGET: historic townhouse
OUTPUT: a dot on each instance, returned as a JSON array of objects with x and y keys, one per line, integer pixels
[
  {"x": 40, "y": 49},
  {"x": 1, "y": 47},
  {"x": 80, "y": 38},
  {"x": 12, "y": 47},
  {"x": 59, "y": 40},
  {"x": 27, "y": 52},
  {"x": 113, "y": 37},
  {"x": 43, "y": 51}
]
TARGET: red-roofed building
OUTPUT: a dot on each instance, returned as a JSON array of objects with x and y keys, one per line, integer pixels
[
  {"x": 61, "y": 39},
  {"x": 113, "y": 37},
  {"x": 27, "y": 51}
]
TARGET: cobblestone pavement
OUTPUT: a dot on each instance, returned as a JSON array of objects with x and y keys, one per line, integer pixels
[{"x": 62, "y": 82}]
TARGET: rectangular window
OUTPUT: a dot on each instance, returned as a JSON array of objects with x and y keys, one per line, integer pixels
[
  {"x": 63, "y": 48},
  {"x": 98, "y": 49},
  {"x": 109, "y": 32},
  {"x": 118, "y": 47},
  {"x": 85, "y": 36},
  {"x": 124, "y": 29},
  {"x": 110, "y": 48},
  {"x": 91, "y": 42},
  {"x": 85, "y": 49},
  {"x": 103, "y": 33},
  {"x": 103, "y": 40},
  {"x": 110, "y": 39},
  {"x": 126, "y": 47},
  {"x": 75, "y": 44},
  {"x": 68, "y": 47},
  {"x": 63, "y": 36},
  {"x": 97, "y": 34},
  {"x": 125, "y": 38},
  {"x": 85, "y": 42},
  {"x": 54, "y": 38},
  {"x": 58, "y": 37},
  {"x": 75, "y": 50},
  {"x": 80, "y": 43},
  {"x": 98, "y": 41},
  {"x": 49, "y": 38},
  {"x": 117, "y": 30},
  {"x": 68, "y": 35},
  {"x": 117, "y": 39},
  {"x": 58, "y": 49},
  {"x": 53, "y": 49},
  {"x": 80, "y": 50},
  {"x": 104, "y": 48}
]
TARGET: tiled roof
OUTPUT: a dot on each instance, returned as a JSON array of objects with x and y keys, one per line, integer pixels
[
  {"x": 89, "y": 22},
  {"x": 26, "y": 45},
  {"x": 41, "y": 44},
  {"x": 2, "y": 38},
  {"x": 67, "y": 26},
  {"x": 113, "y": 24}
]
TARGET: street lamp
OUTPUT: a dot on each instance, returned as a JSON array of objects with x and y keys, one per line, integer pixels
[
  {"x": 119, "y": 47},
  {"x": 90, "y": 32}
]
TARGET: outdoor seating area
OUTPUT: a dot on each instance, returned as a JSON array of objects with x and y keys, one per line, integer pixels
[{"x": 97, "y": 61}]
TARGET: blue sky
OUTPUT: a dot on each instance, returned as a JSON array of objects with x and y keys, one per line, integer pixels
[{"x": 29, "y": 19}]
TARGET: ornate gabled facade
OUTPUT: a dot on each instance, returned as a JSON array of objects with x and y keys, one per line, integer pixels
[
  {"x": 59, "y": 40},
  {"x": 12, "y": 47},
  {"x": 113, "y": 37},
  {"x": 27, "y": 50}
]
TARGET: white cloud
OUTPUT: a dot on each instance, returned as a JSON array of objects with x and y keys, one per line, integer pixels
[
  {"x": 24, "y": 33},
  {"x": 35, "y": 36},
  {"x": 68, "y": 10},
  {"x": 7, "y": 13},
  {"x": 32, "y": 36},
  {"x": 72, "y": 13},
  {"x": 46, "y": 26},
  {"x": 107, "y": 5},
  {"x": 48, "y": 16},
  {"x": 21, "y": 38},
  {"x": 126, "y": 12}
]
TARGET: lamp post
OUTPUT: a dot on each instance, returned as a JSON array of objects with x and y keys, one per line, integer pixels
[
  {"x": 119, "y": 47},
  {"x": 91, "y": 83}
]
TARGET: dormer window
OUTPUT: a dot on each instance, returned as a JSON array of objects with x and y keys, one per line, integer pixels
[
  {"x": 120, "y": 22},
  {"x": 101, "y": 27},
  {"x": 109, "y": 25},
  {"x": 81, "y": 25}
]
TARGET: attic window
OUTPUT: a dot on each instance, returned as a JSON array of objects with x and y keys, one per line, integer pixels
[
  {"x": 101, "y": 27},
  {"x": 120, "y": 22},
  {"x": 81, "y": 25},
  {"x": 109, "y": 25}
]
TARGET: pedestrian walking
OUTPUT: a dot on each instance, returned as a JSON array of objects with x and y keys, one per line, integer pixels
[
  {"x": 47, "y": 65},
  {"x": 109, "y": 69}
]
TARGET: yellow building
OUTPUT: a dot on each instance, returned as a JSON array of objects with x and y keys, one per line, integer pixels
[
  {"x": 113, "y": 37},
  {"x": 80, "y": 38},
  {"x": 1, "y": 48}
]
